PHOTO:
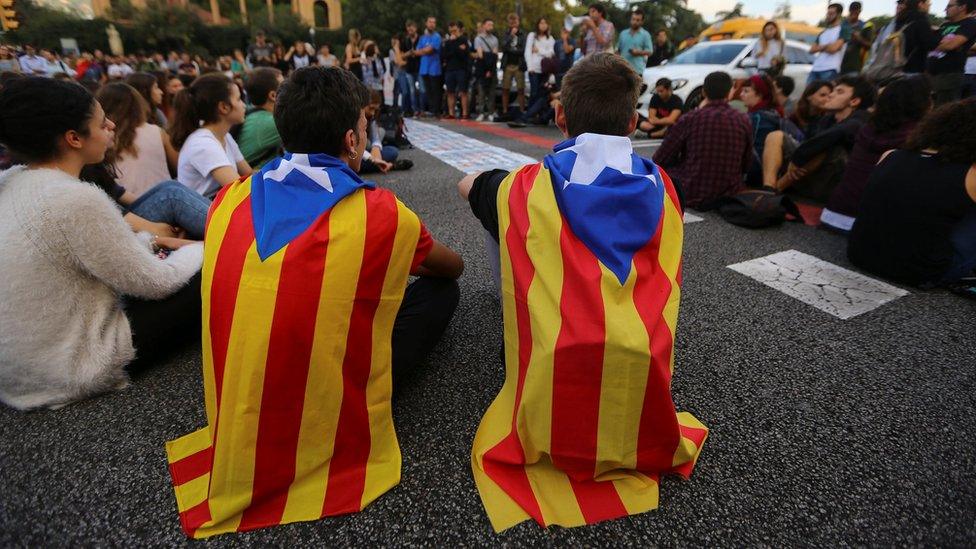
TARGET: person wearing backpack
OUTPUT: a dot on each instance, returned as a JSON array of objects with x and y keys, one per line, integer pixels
[{"x": 919, "y": 38}]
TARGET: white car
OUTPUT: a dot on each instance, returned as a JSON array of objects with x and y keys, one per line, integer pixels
[{"x": 687, "y": 71}]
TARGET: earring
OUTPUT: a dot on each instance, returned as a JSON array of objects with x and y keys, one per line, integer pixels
[{"x": 353, "y": 155}]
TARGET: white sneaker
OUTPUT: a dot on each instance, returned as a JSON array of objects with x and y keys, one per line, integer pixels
[{"x": 481, "y": 118}]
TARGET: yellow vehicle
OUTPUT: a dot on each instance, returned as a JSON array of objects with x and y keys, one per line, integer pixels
[{"x": 751, "y": 27}]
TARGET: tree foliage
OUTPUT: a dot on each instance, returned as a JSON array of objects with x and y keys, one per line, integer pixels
[
  {"x": 784, "y": 10},
  {"x": 730, "y": 14}
]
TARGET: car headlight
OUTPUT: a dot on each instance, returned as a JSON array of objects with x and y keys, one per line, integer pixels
[{"x": 678, "y": 83}]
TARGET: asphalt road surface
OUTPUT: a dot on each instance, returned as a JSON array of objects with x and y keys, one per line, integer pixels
[{"x": 823, "y": 431}]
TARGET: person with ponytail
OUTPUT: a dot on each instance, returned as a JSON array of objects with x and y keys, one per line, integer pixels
[
  {"x": 82, "y": 293},
  {"x": 203, "y": 115}
]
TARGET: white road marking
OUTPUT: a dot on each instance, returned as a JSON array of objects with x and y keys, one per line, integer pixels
[
  {"x": 466, "y": 154},
  {"x": 832, "y": 289},
  {"x": 692, "y": 218},
  {"x": 649, "y": 143}
]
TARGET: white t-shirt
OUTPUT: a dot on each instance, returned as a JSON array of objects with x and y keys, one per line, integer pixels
[
  {"x": 117, "y": 71},
  {"x": 824, "y": 61},
  {"x": 971, "y": 64},
  {"x": 201, "y": 155}
]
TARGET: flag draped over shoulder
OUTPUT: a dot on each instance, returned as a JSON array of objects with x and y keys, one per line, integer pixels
[
  {"x": 584, "y": 425},
  {"x": 305, "y": 266}
]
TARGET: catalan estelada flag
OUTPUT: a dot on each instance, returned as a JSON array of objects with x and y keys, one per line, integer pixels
[
  {"x": 305, "y": 266},
  {"x": 584, "y": 425}
]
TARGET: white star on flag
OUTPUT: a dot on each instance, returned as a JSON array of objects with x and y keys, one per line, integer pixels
[
  {"x": 596, "y": 152},
  {"x": 299, "y": 162}
]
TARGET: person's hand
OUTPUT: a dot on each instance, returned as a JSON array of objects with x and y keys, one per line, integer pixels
[
  {"x": 383, "y": 165},
  {"x": 169, "y": 243},
  {"x": 166, "y": 230},
  {"x": 796, "y": 173}
]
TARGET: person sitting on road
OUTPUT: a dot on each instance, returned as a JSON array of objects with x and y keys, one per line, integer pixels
[
  {"x": 917, "y": 220},
  {"x": 812, "y": 169},
  {"x": 710, "y": 149},
  {"x": 258, "y": 136},
  {"x": 82, "y": 293},
  {"x": 590, "y": 242},
  {"x": 309, "y": 322},
  {"x": 810, "y": 108},
  {"x": 662, "y": 111},
  {"x": 543, "y": 111},
  {"x": 379, "y": 158},
  {"x": 209, "y": 157},
  {"x": 766, "y": 117},
  {"x": 783, "y": 87},
  {"x": 900, "y": 107}
]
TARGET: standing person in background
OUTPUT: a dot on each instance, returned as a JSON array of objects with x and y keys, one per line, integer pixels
[
  {"x": 566, "y": 53},
  {"x": 969, "y": 78},
  {"x": 354, "y": 52},
  {"x": 861, "y": 38},
  {"x": 663, "y": 49},
  {"x": 513, "y": 63},
  {"x": 486, "y": 77},
  {"x": 947, "y": 62},
  {"x": 539, "y": 45},
  {"x": 913, "y": 22},
  {"x": 325, "y": 57},
  {"x": 401, "y": 87},
  {"x": 209, "y": 156},
  {"x": 416, "y": 83},
  {"x": 457, "y": 52},
  {"x": 830, "y": 46},
  {"x": 148, "y": 87},
  {"x": 599, "y": 31},
  {"x": 429, "y": 50},
  {"x": 280, "y": 62},
  {"x": 634, "y": 43},
  {"x": 769, "y": 50},
  {"x": 298, "y": 56},
  {"x": 260, "y": 53},
  {"x": 373, "y": 67}
]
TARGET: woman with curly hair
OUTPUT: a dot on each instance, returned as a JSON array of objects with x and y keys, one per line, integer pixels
[
  {"x": 917, "y": 221},
  {"x": 901, "y": 105}
]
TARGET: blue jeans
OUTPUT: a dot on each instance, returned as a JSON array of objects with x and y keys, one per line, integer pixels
[
  {"x": 963, "y": 240},
  {"x": 421, "y": 93},
  {"x": 170, "y": 202},
  {"x": 535, "y": 84},
  {"x": 408, "y": 91},
  {"x": 822, "y": 75}
]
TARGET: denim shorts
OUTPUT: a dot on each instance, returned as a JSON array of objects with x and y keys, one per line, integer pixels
[{"x": 456, "y": 81}]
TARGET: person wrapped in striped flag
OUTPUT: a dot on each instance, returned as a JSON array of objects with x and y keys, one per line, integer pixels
[
  {"x": 590, "y": 244},
  {"x": 306, "y": 318}
]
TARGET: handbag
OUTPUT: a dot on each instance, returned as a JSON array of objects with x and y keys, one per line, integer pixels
[
  {"x": 550, "y": 65},
  {"x": 755, "y": 209}
]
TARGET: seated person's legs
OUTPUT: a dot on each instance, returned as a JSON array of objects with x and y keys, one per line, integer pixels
[
  {"x": 774, "y": 154},
  {"x": 427, "y": 308},
  {"x": 171, "y": 202},
  {"x": 159, "y": 325}
]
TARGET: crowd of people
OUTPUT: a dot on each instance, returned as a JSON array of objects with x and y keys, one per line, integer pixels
[{"x": 114, "y": 177}]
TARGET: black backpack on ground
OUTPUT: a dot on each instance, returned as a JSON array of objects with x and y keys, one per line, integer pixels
[
  {"x": 391, "y": 120},
  {"x": 757, "y": 208}
]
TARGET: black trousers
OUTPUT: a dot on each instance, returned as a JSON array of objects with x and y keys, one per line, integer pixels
[
  {"x": 434, "y": 86},
  {"x": 159, "y": 326}
]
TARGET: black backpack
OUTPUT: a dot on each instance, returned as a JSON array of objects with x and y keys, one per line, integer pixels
[
  {"x": 756, "y": 209},
  {"x": 391, "y": 120}
]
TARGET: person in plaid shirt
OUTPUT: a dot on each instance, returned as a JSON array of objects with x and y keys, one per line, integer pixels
[{"x": 708, "y": 150}]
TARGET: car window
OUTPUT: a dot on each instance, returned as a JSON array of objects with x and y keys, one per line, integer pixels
[
  {"x": 708, "y": 54},
  {"x": 798, "y": 56}
]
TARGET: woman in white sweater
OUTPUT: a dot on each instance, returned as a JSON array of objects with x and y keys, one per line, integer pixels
[{"x": 70, "y": 262}]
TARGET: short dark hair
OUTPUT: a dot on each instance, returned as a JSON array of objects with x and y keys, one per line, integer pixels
[
  {"x": 316, "y": 107},
  {"x": 863, "y": 90},
  {"x": 599, "y": 94},
  {"x": 969, "y": 4},
  {"x": 599, "y": 8},
  {"x": 36, "y": 111},
  {"x": 854, "y": 6},
  {"x": 486, "y": 19},
  {"x": 836, "y": 6},
  {"x": 637, "y": 11},
  {"x": 949, "y": 129},
  {"x": 663, "y": 83},
  {"x": 785, "y": 84},
  {"x": 903, "y": 101},
  {"x": 717, "y": 86},
  {"x": 260, "y": 84}
]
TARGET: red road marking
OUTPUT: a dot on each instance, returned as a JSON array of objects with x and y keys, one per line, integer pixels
[{"x": 535, "y": 140}]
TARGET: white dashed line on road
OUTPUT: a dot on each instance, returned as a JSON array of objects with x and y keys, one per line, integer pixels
[{"x": 832, "y": 289}]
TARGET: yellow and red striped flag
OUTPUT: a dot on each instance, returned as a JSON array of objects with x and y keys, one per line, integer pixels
[
  {"x": 584, "y": 425},
  {"x": 297, "y": 326}
]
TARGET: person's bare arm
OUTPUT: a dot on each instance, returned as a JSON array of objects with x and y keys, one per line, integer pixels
[
  {"x": 952, "y": 43},
  {"x": 172, "y": 155},
  {"x": 225, "y": 175},
  {"x": 139, "y": 224},
  {"x": 971, "y": 183},
  {"x": 464, "y": 186},
  {"x": 670, "y": 119},
  {"x": 441, "y": 262},
  {"x": 243, "y": 168},
  {"x": 834, "y": 46}
]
